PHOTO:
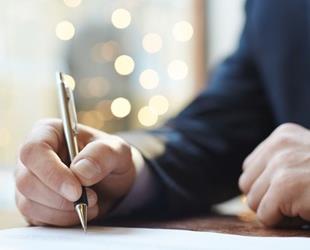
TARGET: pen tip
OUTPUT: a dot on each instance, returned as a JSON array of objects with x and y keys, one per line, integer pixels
[{"x": 81, "y": 210}]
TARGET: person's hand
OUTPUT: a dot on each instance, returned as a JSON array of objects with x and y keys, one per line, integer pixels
[
  {"x": 276, "y": 176},
  {"x": 46, "y": 187}
]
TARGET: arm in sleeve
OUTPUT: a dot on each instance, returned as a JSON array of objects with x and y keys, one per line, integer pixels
[{"x": 196, "y": 157}]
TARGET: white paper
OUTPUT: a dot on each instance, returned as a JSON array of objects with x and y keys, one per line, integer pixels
[{"x": 116, "y": 238}]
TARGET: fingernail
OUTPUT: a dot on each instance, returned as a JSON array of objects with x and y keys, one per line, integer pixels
[
  {"x": 86, "y": 169},
  {"x": 69, "y": 191}
]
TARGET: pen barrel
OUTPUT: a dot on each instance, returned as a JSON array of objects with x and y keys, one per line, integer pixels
[{"x": 83, "y": 199}]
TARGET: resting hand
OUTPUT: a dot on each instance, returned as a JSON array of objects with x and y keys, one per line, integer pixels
[{"x": 276, "y": 176}]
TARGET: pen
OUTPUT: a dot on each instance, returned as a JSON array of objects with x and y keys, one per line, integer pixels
[{"x": 69, "y": 120}]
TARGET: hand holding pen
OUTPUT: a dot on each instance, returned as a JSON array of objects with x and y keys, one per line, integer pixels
[{"x": 46, "y": 188}]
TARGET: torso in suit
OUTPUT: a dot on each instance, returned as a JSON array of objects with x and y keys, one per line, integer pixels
[{"x": 197, "y": 156}]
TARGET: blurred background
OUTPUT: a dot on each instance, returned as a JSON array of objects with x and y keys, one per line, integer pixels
[{"x": 134, "y": 63}]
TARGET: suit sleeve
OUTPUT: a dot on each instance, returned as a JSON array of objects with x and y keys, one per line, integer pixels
[{"x": 196, "y": 157}]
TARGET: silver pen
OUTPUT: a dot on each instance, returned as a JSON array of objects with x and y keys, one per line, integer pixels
[{"x": 69, "y": 119}]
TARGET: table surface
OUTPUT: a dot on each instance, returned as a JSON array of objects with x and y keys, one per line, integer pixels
[{"x": 244, "y": 224}]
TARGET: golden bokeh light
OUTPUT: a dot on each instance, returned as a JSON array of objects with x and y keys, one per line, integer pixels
[
  {"x": 159, "y": 104},
  {"x": 91, "y": 118},
  {"x": 147, "y": 117},
  {"x": 183, "y": 31},
  {"x": 65, "y": 30},
  {"x": 149, "y": 79},
  {"x": 69, "y": 81},
  {"x": 124, "y": 65},
  {"x": 243, "y": 199},
  {"x": 121, "y": 18},
  {"x": 120, "y": 107},
  {"x": 152, "y": 42},
  {"x": 177, "y": 70},
  {"x": 72, "y": 3}
]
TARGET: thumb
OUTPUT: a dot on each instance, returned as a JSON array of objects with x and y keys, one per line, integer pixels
[{"x": 98, "y": 159}]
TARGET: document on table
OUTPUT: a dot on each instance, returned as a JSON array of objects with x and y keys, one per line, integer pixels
[{"x": 116, "y": 238}]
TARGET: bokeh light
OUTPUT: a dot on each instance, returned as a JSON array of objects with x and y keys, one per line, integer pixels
[
  {"x": 159, "y": 104},
  {"x": 183, "y": 31},
  {"x": 72, "y": 3},
  {"x": 124, "y": 65},
  {"x": 149, "y": 79},
  {"x": 69, "y": 81},
  {"x": 65, "y": 30},
  {"x": 177, "y": 70},
  {"x": 152, "y": 42},
  {"x": 121, "y": 18},
  {"x": 120, "y": 107},
  {"x": 147, "y": 117}
]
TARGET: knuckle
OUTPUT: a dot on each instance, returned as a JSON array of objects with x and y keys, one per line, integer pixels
[
  {"x": 48, "y": 122},
  {"x": 244, "y": 184},
  {"x": 287, "y": 158},
  {"x": 245, "y": 163},
  {"x": 284, "y": 183},
  {"x": 241, "y": 184},
  {"x": 28, "y": 149},
  {"x": 280, "y": 160},
  {"x": 23, "y": 182},
  {"x": 103, "y": 146},
  {"x": 122, "y": 147},
  {"x": 125, "y": 148},
  {"x": 284, "y": 139},
  {"x": 288, "y": 127},
  {"x": 24, "y": 206}
]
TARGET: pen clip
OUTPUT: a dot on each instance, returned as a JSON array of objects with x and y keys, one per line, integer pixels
[{"x": 72, "y": 110}]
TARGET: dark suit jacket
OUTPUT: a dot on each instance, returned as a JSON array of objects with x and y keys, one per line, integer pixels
[{"x": 197, "y": 156}]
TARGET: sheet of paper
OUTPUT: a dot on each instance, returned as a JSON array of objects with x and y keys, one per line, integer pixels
[{"x": 115, "y": 238}]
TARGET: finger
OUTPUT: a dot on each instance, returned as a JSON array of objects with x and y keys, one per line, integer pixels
[
  {"x": 251, "y": 157},
  {"x": 39, "y": 156},
  {"x": 38, "y": 213},
  {"x": 248, "y": 178},
  {"x": 101, "y": 158},
  {"x": 49, "y": 131},
  {"x": 32, "y": 188},
  {"x": 257, "y": 164},
  {"x": 254, "y": 165},
  {"x": 258, "y": 190},
  {"x": 268, "y": 211}
]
